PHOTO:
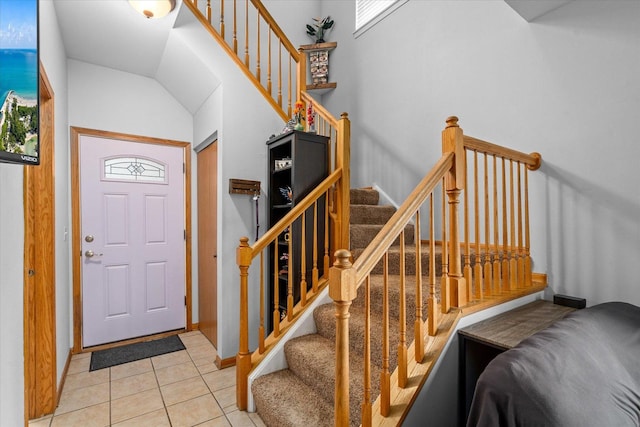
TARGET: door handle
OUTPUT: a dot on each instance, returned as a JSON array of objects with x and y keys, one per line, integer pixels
[{"x": 91, "y": 254}]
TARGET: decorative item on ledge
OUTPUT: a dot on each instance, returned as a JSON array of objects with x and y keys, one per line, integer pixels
[
  {"x": 321, "y": 26},
  {"x": 298, "y": 114},
  {"x": 319, "y": 65}
]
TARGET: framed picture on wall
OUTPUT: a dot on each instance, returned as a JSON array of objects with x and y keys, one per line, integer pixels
[{"x": 19, "y": 82}]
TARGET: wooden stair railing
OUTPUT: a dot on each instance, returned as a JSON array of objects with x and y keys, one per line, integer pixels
[
  {"x": 460, "y": 285},
  {"x": 258, "y": 46}
]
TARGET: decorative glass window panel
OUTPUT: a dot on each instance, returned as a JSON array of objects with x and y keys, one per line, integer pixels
[{"x": 136, "y": 169}]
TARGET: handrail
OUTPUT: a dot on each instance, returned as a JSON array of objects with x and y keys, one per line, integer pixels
[
  {"x": 272, "y": 233},
  {"x": 385, "y": 237},
  {"x": 532, "y": 160}
]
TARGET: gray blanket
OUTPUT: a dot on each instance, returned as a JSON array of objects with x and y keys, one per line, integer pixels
[{"x": 584, "y": 370}]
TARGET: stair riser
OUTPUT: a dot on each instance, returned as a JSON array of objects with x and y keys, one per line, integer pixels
[
  {"x": 362, "y": 196},
  {"x": 362, "y": 236},
  {"x": 370, "y": 214}
]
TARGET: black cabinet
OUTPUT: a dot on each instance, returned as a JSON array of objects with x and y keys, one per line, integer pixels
[{"x": 298, "y": 162}]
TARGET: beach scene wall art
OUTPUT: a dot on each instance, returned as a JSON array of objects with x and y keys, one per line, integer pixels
[{"x": 19, "y": 80}]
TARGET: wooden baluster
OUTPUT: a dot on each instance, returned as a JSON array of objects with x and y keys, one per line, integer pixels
[
  {"x": 221, "y": 17},
  {"x": 301, "y": 70},
  {"x": 235, "y": 28},
  {"x": 209, "y": 13},
  {"x": 290, "y": 101},
  {"x": 513, "y": 266},
  {"x": 280, "y": 74},
  {"x": 269, "y": 88},
  {"x": 243, "y": 358},
  {"x": 342, "y": 289},
  {"x": 477, "y": 266},
  {"x": 432, "y": 303},
  {"x": 262, "y": 302},
  {"x": 314, "y": 270},
  {"x": 276, "y": 290},
  {"x": 418, "y": 326},
  {"x": 290, "y": 301},
  {"x": 327, "y": 258},
  {"x": 505, "y": 230},
  {"x": 402, "y": 344},
  {"x": 385, "y": 375},
  {"x": 521, "y": 282},
  {"x": 468, "y": 272},
  {"x": 527, "y": 243},
  {"x": 445, "y": 295},
  {"x": 246, "y": 32},
  {"x": 366, "y": 400},
  {"x": 487, "y": 232},
  {"x": 496, "y": 231},
  {"x": 258, "y": 50},
  {"x": 303, "y": 260}
]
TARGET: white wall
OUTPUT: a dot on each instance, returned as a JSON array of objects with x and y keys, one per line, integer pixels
[{"x": 565, "y": 85}]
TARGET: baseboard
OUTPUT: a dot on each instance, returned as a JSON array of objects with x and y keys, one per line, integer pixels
[
  {"x": 64, "y": 376},
  {"x": 225, "y": 363},
  {"x": 195, "y": 326}
]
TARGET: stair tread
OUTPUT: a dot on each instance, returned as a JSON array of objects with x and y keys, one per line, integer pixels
[
  {"x": 284, "y": 400},
  {"x": 312, "y": 358}
]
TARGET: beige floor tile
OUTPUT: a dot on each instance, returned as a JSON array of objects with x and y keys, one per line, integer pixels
[
  {"x": 194, "y": 411},
  {"x": 133, "y": 384},
  {"x": 93, "y": 416},
  {"x": 86, "y": 379},
  {"x": 202, "y": 351},
  {"x": 131, "y": 368},
  {"x": 183, "y": 390},
  {"x": 79, "y": 364},
  {"x": 135, "y": 405},
  {"x": 175, "y": 373},
  {"x": 82, "y": 398},
  {"x": 41, "y": 422},
  {"x": 169, "y": 359},
  {"x": 205, "y": 365},
  {"x": 226, "y": 397},
  {"x": 240, "y": 419},
  {"x": 194, "y": 340},
  {"x": 157, "y": 418},
  {"x": 190, "y": 333},
  {"x": 216, "y": 422},
  {"x": 256, "y": 419},
  {"x": 218, "y": 380}
]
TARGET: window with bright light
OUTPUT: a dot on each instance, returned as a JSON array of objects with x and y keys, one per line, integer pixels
[{"x": 369, "y": 12}]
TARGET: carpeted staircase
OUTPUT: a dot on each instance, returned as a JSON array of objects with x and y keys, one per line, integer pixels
[{"x": 303, "y": 394}]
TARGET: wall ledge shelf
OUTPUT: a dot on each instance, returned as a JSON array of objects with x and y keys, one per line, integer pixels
[
  {"x": 319, "y": 46},
  {"x": 321, "y": 88}
]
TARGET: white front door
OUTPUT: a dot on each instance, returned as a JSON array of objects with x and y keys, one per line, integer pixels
[{"x": 133, "y": 248}]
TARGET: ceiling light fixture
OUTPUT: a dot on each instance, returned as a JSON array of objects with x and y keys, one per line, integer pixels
[{"x": 153, "y": 8}]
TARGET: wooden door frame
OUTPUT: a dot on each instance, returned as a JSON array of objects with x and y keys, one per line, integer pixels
[
  {"x": 39, "y": 284},
  {"x": 213, "y": 143},
  {"x": 76, "y": 238}
]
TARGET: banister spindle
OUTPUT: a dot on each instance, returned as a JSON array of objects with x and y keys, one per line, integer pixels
[
  {"x": 262, "y": 302},
  {"x": 343, "y": 290},
  {"x": 303, "y": 260},
  {"x": 246, "y": 32},
  {"x": 221, "y": 17},
  {"x": 496, "y": 230},
  {"x": 366, "y": 400},
  {"x": 402, "y": 343},
  {"x": 433, "y": 317},
  {"x": 521, "y": 282},
  {"x": 527, "y": 243},
  {"x": 468, "y": 274},
  {"x": 445, "y": 295},
  {"x": 487, "y": 232},
  {"x": 276, "y": 290},
  {"x": 513, "y": 267},
  {"x": 314, "y": 269},
  {"x": 477, "y": 266},
  {"x": 235, "y": 28},
  {"x": 505, "y": 230},
  {"x": 258, "y": 48},
  {"x": 290, "y": 274},
  {"x": 418, "y": 326},
  {"x": 385, "y": 374},
  {"x": 269, "y": 83}
]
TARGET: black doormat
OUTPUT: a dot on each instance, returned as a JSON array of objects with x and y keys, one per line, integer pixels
[{"x": 130, "y": 353}]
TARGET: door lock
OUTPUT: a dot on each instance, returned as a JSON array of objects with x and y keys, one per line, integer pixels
[{"x": 88, "y": 238}]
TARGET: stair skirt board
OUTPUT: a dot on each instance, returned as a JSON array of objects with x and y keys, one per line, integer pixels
[{"x": 276, "y": 360}]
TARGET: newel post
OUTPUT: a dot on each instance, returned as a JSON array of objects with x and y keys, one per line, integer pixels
[
  {"x": 243, "y": 358},
  {"x": 343, "y": 161},
  {"x": 342, "y": 289},
  {"x": 453, "y": 142},
  {"x": 301, "y": 85}
]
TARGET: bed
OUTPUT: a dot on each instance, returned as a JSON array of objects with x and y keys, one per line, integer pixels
[{"x": 583, "y": 370}]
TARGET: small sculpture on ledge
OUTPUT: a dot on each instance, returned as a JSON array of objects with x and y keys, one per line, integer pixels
[{"x": 321, "y": 26}]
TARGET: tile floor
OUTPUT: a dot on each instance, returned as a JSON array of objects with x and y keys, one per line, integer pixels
[{"x": 184, "y": 388}]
